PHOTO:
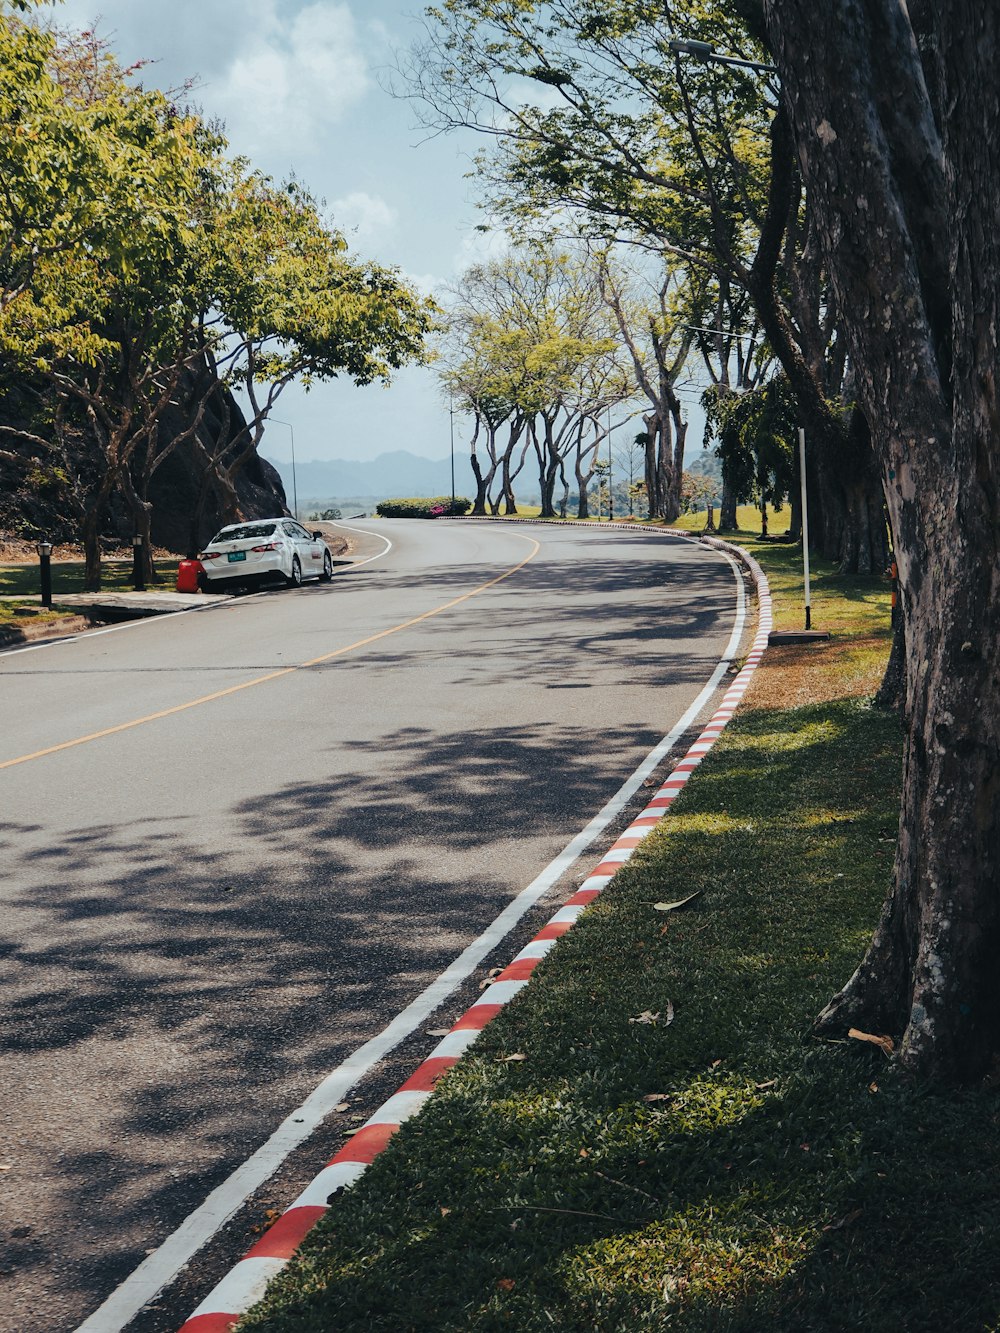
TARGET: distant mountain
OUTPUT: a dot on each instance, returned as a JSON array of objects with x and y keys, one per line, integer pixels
[{"x": 394, "y": 474}]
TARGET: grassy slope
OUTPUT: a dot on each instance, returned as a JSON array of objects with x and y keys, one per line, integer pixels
[{"x": 725, "y": 1171}]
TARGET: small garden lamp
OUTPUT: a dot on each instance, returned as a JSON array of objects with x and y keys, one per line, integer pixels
[{"x": 44, "y": 550}]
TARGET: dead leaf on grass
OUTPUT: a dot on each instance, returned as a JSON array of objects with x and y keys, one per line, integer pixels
[
  {"x": 679, "y": 902},
  {"x": 844, "y": 1221},
  {"x": 647, "y": 1016},
  {"x": 445, "y": 1212},
  {"x": 884, "y": 1044},
  {"x": 658, "y": 1096},
  {"x": 506, "y": 1284}
]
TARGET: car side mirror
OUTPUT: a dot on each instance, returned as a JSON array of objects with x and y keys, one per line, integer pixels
[{"x": 317, "y": 536}]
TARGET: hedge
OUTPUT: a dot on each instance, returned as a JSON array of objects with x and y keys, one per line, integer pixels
[{"x": 423, "y": 507}]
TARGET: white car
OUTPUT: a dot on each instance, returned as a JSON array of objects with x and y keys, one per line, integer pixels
[{"x": 262, "y": 550}]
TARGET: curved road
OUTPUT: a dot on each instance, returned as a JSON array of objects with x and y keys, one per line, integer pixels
[{"x": 225, "y": 870}]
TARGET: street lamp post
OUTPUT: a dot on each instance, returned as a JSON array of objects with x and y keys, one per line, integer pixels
[
  {"x": 805, "y": 524},
  {"x": 451, "y": 425},
  {"x": 295, "y": 488},
  {"x": 611, "y": 491},
  {"x": 706, "y": 51}
]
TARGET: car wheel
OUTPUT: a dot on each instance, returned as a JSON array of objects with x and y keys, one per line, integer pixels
[
  {"x": 327, "y": 574},
  {"x": 294, "y": 579}
]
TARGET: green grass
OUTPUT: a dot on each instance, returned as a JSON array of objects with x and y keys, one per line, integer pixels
[
  {"x": 67, "y": 577},
  {"x": 722, "y": 1172},
  {"x": 13, "y": 615},
  {"x": 747, "y": 521}
]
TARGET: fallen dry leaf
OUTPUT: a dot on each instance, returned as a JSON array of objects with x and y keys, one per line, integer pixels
[
  {"x": 873, "y": 1087},
  {"x": 518, "y": 1055},
  {"x": 437, "y": 1032},
  {"x": 883, "y": 1043},
  {"x": 445, "y": 1212},
  {"x": 762, "y": 1087},
  {"x": 343, "y": 1106},
  {"x": 647, "y": 1016},
  {"x": 678, "y": 902},
  {"x": 506, "y": 1284},
  {"x": 584, "y": 1152},
  {"x": 657, "y": 1096}
]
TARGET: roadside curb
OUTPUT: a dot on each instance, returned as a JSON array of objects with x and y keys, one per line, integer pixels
[
  {"x": 245, "y": 1283},
  {"x": 23, "y": 635}
]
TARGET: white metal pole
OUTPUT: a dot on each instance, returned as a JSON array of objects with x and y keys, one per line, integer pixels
[
  {"x": 805, "y": 523},
  {"x": 295, "y": 486}
]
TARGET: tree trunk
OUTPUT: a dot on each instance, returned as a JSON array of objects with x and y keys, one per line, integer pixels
[
  {"x": 479, "y": 506},
  {"x": 90, "y": 531},
  {"x": 907, "y": 210},
  {"x": 891, "y": 693},
  {"x": 727, "y": 509},
  {"x": 141, "y": 512}
]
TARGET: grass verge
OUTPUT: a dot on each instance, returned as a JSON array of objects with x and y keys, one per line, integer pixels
[
  {"x": 713, "y": 1167},
  {"x": 21, "y": 580}
]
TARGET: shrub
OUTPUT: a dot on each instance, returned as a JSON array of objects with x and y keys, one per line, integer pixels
[{"x": 419, "y": 507}]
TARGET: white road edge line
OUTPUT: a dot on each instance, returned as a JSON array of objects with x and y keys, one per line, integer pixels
[
  {"x": 164, "y": 1264},
  {"x": 172, "y": 615}
]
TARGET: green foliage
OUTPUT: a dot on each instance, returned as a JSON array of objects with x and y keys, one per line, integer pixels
[
  {"x": 608, "y": 133},
  {"x": 434, "y": 507},
  {"x": 140, "y": 267},
  {"x": 755, "y": 433}
]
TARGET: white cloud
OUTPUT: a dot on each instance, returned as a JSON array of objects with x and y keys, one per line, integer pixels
[
  {"x": 292, "y": 80},
  {"x": 366, "y": 218}
]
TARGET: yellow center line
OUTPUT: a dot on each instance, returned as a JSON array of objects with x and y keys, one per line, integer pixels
[{"x": 274, "y": 675}]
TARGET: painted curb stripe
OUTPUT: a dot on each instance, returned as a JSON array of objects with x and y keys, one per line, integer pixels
[{"x": 244, "y": 1285}]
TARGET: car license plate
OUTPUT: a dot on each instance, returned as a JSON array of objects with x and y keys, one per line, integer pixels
[{"x": 237, "y": 555}]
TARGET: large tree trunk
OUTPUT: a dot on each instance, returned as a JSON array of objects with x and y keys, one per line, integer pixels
[
  {"x": 727, "y": 509},
  {"x": 479, "y": 504},
  {"x": 908, "y": 208},
  {"x": 141, "y": 511}
]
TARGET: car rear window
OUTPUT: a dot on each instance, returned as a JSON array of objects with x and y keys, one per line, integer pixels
[{"x": 243, "y": 531}]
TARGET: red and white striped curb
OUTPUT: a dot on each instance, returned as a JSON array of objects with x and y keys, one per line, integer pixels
[{"x": 245, "y": 1283}]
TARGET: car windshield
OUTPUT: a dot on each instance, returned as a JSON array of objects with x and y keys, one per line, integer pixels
[{"x": 242, "y": 531}]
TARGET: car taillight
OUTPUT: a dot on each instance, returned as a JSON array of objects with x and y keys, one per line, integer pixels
[
  {"x": 209, "y": 555},
  {"x": 268, "y": 546}
]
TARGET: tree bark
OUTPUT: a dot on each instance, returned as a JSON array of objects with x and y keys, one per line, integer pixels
[{"x": 908, "y": 210}]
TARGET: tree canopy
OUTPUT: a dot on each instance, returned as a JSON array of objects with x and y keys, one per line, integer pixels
[{"x": 142, "y": 268}]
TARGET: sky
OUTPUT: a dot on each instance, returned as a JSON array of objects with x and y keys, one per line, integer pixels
[{"x": 301, "y": 89}]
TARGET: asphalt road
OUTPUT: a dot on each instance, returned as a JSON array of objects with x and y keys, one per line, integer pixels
[{"x": 203, "y": 913}]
